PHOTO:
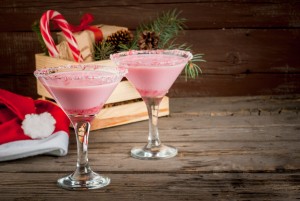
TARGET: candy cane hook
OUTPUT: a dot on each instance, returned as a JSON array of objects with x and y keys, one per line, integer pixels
[{"x": 64, "y": 26}]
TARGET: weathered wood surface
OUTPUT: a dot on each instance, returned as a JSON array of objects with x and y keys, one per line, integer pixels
[
  {"x": 205, "y": 14},
  {"x": 239, "y": 148},
  {"x": 244, "y": 42},
  {"x": 201, "y": 186}
]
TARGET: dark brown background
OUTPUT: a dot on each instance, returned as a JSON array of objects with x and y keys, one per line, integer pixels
[{"x": 252, "y": 47}]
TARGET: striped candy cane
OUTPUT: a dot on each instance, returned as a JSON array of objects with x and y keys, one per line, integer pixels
[{"x": 64, "y": 26}]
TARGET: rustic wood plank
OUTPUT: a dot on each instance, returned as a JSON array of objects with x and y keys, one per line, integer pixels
[
  {"x": 246, "y": 51},
  {"x": 226, "y": 140},
  {"x": 216, "y": 186},
  {"x": 17, "y": 57},
  {"x": 230, "y": 52},
  {"x": 203, "y": 86},
  {"x": 236, "y": 85},
  {"x": 22, "y": 84},
  {"x": 283, "y": 127},
  {"x": 242, "y": 156},
  {"x": 206, "y": 129},
  {"x": 216, "y": 144},
  {"x": 238, "y": 39},
  {"x": 229, "y": 64},
  {"x": 205, "y": 156},
  {"x": 229, "y": 149},
  {"x": 200, "y": 14},
  {"x": 235, "y": 106}
]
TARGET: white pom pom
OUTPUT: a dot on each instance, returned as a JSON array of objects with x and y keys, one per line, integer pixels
[{"x": 38, "y": 125}]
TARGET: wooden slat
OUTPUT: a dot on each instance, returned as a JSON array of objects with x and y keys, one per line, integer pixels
[
  {"x": 236, "y": 85},
  {"x": 246, "y": 51},
  {"x": 226, "y": 51},
  {"x": 229, "y": 153},
  {"x": 200, "y": 14},
  {"x": 205, "y": 85},
  {"x": 229, "y": 148},
  {"x": 204, "y": 156},
  {"x": 17, "y": 54},
  {"x": 237, "y": 64},
  {"x": 236, "y": 106},
  {"x": 237, "y": 38},
  {"x": 217, "y": 186},
  {"x": 23, "y": 84},
  {"x": 221, "y": 143}
]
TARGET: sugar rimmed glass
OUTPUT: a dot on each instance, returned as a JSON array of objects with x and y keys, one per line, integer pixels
[
  {"x": 152, "y": 72},
  {"x": 81, "y": 90}
]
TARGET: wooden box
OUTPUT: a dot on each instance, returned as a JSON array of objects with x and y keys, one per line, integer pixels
[{"x": 124, "y": 105}]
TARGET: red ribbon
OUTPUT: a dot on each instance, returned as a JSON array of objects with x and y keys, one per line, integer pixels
[
  {"x": 97, "y": 33},
  {"x": 85, "y": 22}
]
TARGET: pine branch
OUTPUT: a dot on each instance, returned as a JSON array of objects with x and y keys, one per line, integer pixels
[
  {"x": 167, "y": 26},
  {"x": 192, "y": 69},
  {"x": 103, "y": 50}
]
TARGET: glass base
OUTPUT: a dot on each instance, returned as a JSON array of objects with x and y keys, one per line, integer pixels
[
  {"x": 87, "y": 181},
  {"x": 160, "y": 152}
]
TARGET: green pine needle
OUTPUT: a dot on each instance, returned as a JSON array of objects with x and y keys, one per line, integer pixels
[
  {"x": 103, "y": 50},
  {"x": 167, "y": 26},
  {"x": 192, "y": 69}
]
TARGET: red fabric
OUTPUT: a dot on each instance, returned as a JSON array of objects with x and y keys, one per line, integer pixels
[
  {"x": 85, "y": 25},
  {"x": 97, "y": 33},
  {"x": 13, "y": 101},
  {"x": 14, "y": 107}
]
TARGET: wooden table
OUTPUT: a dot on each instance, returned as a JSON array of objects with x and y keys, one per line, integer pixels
[{"x": 238, "y": 148}]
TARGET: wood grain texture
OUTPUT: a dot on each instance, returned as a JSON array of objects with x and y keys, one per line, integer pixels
[
  {"x": 239, "y": 38},
  {"x": 200, "y": 14},
  {"x": 237, "y": 63},
  {"x": 237, "y": 148},
  {"x": 232, "y": 51},
  {"x": 217, "y": 186},
  {"x": 204, "y": 86}
]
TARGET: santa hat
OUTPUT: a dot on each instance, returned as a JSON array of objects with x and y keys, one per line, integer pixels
[{"x": 30, "y": 127}]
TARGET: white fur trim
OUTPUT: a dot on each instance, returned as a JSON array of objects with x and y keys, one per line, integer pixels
[
  {"x": 38, "y": 126},
  {"x": 56, "y": 144}
]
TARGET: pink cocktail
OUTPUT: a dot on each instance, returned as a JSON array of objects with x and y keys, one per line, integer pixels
[
  {"x": 81, "y": 91},
  {"x": 152, "y": 72},
  {"x": 80, "y": 96}
]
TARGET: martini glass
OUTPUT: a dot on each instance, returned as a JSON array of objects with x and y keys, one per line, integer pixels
[
  {"x": 81, "y": 91},
  {"x": 152, "y": 72}
]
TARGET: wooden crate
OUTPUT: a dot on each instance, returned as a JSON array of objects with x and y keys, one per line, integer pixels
[{"x": 123, "y": 106}]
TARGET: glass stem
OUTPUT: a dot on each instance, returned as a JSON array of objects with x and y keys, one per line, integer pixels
[
  {"x": 153, "y": 109},
  {"x": 82, "y": 131}
]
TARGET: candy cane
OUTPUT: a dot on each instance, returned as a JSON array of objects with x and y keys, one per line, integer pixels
[{"x": 64, "y": 26}]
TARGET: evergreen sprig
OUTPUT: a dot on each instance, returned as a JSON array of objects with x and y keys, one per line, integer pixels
[
  {"x": 192, "y": 69},
  {"x": 36, "y": 28},
  {"x": 102, "y": 50},
  {"x": 168, "y": 26}
]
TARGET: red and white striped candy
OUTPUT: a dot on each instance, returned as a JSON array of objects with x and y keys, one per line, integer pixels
[{"x": 64, "y": 26}]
